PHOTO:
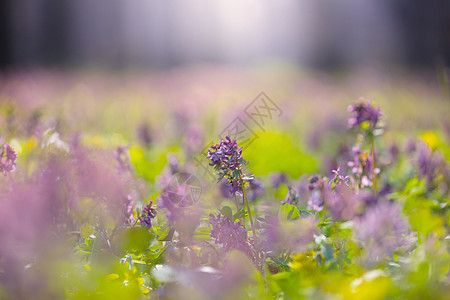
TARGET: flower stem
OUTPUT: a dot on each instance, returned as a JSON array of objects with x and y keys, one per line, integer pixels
[
  {"x": 237, "y": 207},
  {"x": 248, "y": 208},
  {"x": 374, "y": 166}
]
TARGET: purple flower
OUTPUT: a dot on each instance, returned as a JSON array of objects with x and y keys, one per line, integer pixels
[
  {"x": 361, "y": 166},
  {"x": 147, "y": 214},
  {"x": 278, "y": 179},
  {"x": 363, "y": 111},
  {"x": 343, "y": 203},
  {"x": 291, "y": 197},
  {"x": 318, "y": 192},
  {"x": 339, "y": 177},
  {"x": 170, "y": 200},
  {"x": 226, "y": 158},
  {"x": 256, "y": 189},
  {"x": 7, "y": 159},
  {"x": 429, "y": 162},
  {"x": 294, "y": 235},
  {"x": 123, "y": 158},
  {"x": 382, "y": 230},
  {"x": 144, "y": 135},
  {"x": 229, "y": 235}
]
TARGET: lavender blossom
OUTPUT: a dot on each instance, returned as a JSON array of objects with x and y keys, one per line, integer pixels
[
  {"x": 229, "y": 235},
  {"x": 147, "y": 214},
  {"x": 363, "y": 111},
  {"x": 7, "y": 159},
  {"x": 382, "y": 230}
]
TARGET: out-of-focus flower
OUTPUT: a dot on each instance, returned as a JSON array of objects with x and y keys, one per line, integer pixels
[
  {"x": 170, "y": 200},
  {"x": 128, "y": 206},
  {"x": 361, "y": 166},
  {"x": 123, "y": 158},
  {"x": 173, "y": 163},
  {"x": 229, "y": 235},
  {"x": 278, "y": 179},
  {"x": 428, "y": 162},
  {"x": 382, "y": 229},
  {"x": 343, "y": 203},
  {"x": 193, "y": 140},
  {"x": 287, "y": 235},
  {"x": 226, "y": 158},
  {"x": 256, "y": 189},
  {"x": 7, "y": 159},
  {"x": 291, "y": 197},
  {"x": 318, "y": 190},
  {"x": 363, "y": 111},
  {"x": 147, "y": 214},
  {"x": 144, "y": 135}
]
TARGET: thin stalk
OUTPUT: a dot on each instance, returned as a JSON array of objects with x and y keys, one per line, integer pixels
[
  {"x": 374, "y": 165},
  {"x": 248, "y": 208},
  {"x": 237, "y": 207}
]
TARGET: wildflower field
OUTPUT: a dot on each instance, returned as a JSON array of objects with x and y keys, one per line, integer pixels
[{"x": 224, "y": 183}]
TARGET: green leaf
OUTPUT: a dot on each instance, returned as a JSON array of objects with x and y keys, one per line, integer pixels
[
  {"x": 240, "y": 214},
  {"x": 227, "y": 212},
  {"x": 288, "y": 212}
]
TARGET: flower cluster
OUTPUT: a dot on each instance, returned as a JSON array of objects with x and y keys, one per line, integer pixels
[
  {"x": 226, "y": 158},
  {"x": 230, "y": 235},
  {"x": 363, "y": 112},
  {"x": 382, "y": 229},
  {"x": 429, "y": 162},
  {"x": 172, "y": 202},
  {"x": 361, "y": 167},
  {"x": 343, "y": 204},
  {"x": 287, "y": 235},
  {"x": 255, "y": 189},
  {"x": 147, "y": 214},
  {"x": 7, "y": 159}
]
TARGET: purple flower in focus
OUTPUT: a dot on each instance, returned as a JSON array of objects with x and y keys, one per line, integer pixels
[
  {"x": 229, "y": 235},
  {"x": 363, "y": 111},
  {"x": 147, "y": 214},
  {"x": 382, "y": 229},
  {"x": 339, "y": 178},
  {"x": 7, "y": 159},
  {"x": 226, "y": 158}
]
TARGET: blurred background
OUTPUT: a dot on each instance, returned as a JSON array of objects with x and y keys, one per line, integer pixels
[{"x": 321, "y": 34}]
